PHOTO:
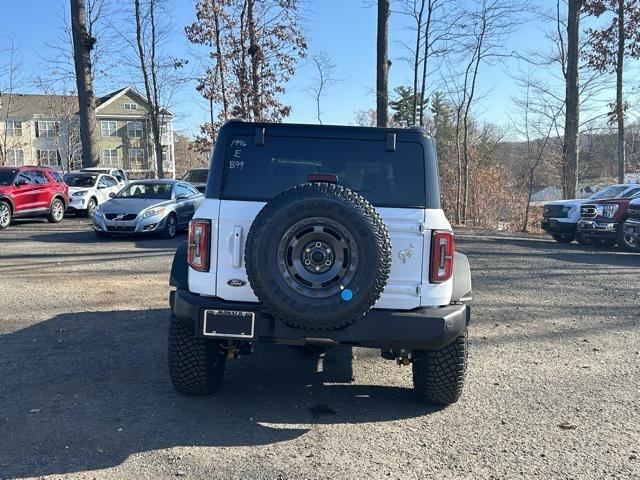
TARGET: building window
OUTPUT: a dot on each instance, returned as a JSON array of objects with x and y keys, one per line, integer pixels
[
  {"x": 14, "y": 128},
  {"x": 109, "y": 128},
  {"x": 134, "y": 129},
  {"x": 47, "y": 129},
  {"x": 48, "y": 158},
  {"x": 130, "y": 106},
  {"x": 15, "y": 157},
  {"x": 136, "y": 157},
  {"x": 110, "y": 156}
]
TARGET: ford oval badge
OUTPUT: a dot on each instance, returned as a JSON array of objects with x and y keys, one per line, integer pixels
[{"x": 236, "y": 282}]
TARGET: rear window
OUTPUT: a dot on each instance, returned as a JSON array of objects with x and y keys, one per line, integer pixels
[
  {"x": 196, "y": 176},
  {"x": 386, "y": 179}
]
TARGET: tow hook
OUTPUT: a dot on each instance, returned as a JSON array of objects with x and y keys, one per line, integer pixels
[{"x": 401, "y": 356}]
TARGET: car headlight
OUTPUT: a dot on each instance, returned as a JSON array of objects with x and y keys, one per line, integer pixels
[
  {"x": 79, "y": 194},
  {"x": 97, "y": 212},
  {"x": 608, "y": 211},
  {"x": 152, "y": 212}
]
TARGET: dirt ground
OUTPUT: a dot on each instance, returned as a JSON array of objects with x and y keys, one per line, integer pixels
[{"x": 552, "y": 390}]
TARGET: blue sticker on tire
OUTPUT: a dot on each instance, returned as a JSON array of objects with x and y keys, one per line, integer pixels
[{"x": 346, "y": 294}]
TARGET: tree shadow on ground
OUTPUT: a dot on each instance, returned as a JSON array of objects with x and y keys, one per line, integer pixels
[{"x": 85, "y": 391}]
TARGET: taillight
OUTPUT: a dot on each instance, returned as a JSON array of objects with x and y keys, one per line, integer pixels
[
  {"x": 198, "y": 252},
  {"x": 441, "y": 256}
]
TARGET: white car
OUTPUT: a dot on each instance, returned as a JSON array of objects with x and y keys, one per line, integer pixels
[
  {"x": 87, "y": 190},
  {"x": 117, "y": 173}
]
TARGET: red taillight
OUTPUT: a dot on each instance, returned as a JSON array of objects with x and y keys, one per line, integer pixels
[
  {"x": 441, "y": 256},
  {"x": 199, "y": 245}
]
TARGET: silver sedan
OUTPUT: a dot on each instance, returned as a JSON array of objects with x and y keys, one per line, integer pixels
[{"x": 148, "y": 207}]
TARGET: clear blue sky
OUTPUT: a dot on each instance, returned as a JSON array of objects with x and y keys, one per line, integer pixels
[{"x": 344, "y": 29}]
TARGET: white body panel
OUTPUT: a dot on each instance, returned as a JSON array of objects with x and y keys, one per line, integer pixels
[{"x": 409, "y": 229}]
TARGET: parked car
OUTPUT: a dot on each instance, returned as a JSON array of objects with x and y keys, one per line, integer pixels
[
  {"x": 119, "y": 174},
  {"x": 632, "y": 223},
  {"x": 148, "y": 207},
  {"x": 602, "y": 223},
  {"x": 87, "y": 190},
  {"x": 31, "y": 192},
  {"x": 198, "y": 178},
  {"x": 560, "y": 217},
  {"x": 316, "y": 236}
]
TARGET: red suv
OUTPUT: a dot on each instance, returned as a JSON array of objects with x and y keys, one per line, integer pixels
[{"x": 32, "y": 192}]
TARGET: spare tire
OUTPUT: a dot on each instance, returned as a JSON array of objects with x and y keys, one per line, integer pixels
[{"x": 318, "y": 256}]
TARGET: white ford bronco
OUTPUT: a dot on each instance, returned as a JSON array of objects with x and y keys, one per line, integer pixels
[{"x": 315, "y": 236}]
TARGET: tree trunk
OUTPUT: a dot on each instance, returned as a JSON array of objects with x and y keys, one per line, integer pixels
[
  {"x": 619, "y": 102},
  {"x": 572, "y": 102},
  {"x": 150, "y": 83},
  {"x": 82, "y": 46},
  {"x": 223, "y": 87},
  {"x": 382, "y": 73},
  {"x": 254, "y": 52},
  {"x": 416, "y": 64},
  {"x": 425, "y": 60}
]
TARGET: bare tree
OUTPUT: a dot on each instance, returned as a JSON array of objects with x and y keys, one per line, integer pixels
[
  {"x": 83, "y": 44},
  {"x": 147, "y": 43},
  {"x": 324, "y": 79},
  {"x": 382, "y": 64},
  {"x": 537, "y": 123},
  {"x": 486, "y": 28},
  {"x": 12, "y": 79}
]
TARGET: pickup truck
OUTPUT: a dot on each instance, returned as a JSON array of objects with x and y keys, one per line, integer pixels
[
  {"x": 560, "y": 217},
  {"x": 603, "y": 223}
]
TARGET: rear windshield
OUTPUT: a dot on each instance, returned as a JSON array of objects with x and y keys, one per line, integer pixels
[
  {"x": 386, "y": 179},
  {"x": 196, "y": 176}
]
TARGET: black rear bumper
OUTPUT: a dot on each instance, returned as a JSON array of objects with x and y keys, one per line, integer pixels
[{"x": 419, "y": 329}]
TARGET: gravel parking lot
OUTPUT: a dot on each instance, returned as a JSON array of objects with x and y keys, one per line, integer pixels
[{"x": 552, "y": 390}]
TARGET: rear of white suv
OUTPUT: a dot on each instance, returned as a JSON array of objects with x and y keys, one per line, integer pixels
[{"x": 322, "y": 236}]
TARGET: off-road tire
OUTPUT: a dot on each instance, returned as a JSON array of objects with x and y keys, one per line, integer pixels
[
  {"x": 622, "y": 242},
  {"x": 438, "y": 375},
  {"x": 5, "y": 215},
  {"x": 564, "y": 238},
  {"x": 196, "y": 366},
  {"x": 355, "y": 215},
  {"x": 54, "y": 212}
]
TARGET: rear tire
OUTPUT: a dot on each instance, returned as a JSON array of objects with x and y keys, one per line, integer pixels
[
  {"x": 564, "y": 238},
  {"x": 5, "y": 215},
  {"x": 56, "y": 212},
  {"x": 438, "y": 375},
  {"x": 196, "y": 366}
]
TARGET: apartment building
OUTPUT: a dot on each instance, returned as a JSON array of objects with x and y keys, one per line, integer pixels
[{"x": 43, "y": 130}]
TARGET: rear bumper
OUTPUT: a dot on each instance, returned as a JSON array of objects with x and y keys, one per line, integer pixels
[
  {"x": 597, "y": 229},
  {"x": 552, "y": 225},
  {"x": 419, "y": 329}
]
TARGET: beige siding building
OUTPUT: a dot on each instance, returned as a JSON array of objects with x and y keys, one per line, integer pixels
[{"x": 43, "y": 130}]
